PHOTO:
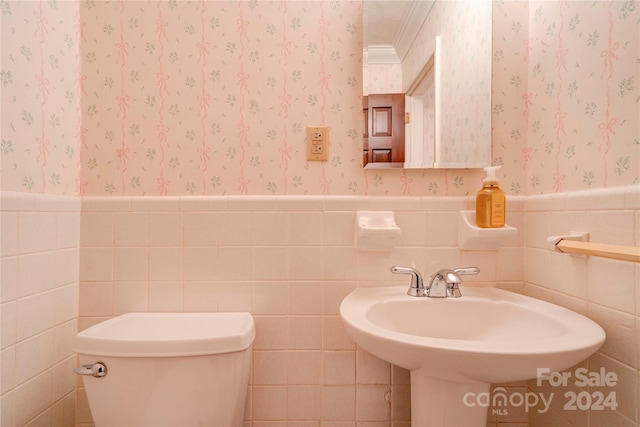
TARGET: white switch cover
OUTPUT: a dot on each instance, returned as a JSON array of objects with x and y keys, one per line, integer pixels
[{"x": 318, "y": 143}]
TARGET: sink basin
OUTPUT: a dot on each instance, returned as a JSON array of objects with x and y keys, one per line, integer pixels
[{"x": 486, "y": 336}]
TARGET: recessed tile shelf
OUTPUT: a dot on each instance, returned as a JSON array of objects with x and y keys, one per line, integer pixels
[{"x": 473, "y": 238}]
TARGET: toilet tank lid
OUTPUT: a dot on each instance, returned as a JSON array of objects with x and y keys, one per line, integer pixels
[{"x": 168, "y": 335}]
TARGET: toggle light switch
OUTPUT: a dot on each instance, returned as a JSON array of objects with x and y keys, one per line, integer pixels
[{"x": 317, "y": 143}]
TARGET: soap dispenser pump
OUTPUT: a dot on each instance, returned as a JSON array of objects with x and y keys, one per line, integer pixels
[{"x": 490, "y": 201}]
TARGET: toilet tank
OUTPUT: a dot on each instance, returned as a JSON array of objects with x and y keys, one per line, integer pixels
[{"x": 168, "y": 369}]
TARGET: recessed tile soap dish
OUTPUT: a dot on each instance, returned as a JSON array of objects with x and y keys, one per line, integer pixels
[
  {"x": 472, "y": 237},
  {"x": 376, "y": 231}
]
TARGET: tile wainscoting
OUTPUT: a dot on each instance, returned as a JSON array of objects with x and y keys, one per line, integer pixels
[
  {"x": 290, "y": 261},
  {"x": 604, "y": 290},
  {"x": 39, "y": 308}
]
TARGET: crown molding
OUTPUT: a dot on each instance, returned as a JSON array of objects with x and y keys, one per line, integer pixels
[
  {"x": 380, "y": 55},
  {"x": 412, "y": 21}
]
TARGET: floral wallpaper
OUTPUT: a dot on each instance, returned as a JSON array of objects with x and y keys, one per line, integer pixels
[
  {"x": 213, "y": 97},
  {"x": 509, "y": 71},
  {"x": 582, "y": 99},
  {"x": 382, "y": 78},
  {"x": 40, "y": 96},
  {"x": 566, "y": 99}
]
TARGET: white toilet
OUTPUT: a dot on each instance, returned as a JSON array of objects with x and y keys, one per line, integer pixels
[{"x": 167, "y": 369}]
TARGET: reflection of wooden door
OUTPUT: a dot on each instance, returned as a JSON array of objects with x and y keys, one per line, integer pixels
[
  {"x": 383, "y": 139},
  {"x": 365, "y": 130}
]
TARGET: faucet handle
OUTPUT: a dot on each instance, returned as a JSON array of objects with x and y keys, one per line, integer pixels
[
  {"x": 466, "y": 270},
  {"x": 453, "y": 289},
  {"x": 417, "y": 285}
]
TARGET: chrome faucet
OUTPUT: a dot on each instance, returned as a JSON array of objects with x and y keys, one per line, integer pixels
[{"x": 445, "y": 283}]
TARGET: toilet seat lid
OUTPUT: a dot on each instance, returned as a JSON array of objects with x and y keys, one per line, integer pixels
[{"x": 168, "y": 335}]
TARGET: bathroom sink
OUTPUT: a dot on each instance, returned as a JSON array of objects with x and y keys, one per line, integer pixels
[{"x": 486, "y": 336}]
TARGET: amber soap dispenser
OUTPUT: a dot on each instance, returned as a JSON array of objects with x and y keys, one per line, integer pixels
[{"x": 490, "y": 201}]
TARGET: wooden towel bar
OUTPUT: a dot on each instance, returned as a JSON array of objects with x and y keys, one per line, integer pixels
[{"x": 625, "y": 253}]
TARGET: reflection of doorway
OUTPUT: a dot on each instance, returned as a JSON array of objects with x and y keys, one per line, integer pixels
[
  {"x": 383, "y": 139},
  {"x": 421, "y": 103}
]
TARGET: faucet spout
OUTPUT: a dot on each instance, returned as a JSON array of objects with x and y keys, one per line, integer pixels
[
  {"x": 446, "y": 283},
  {"x": 439, "y": 283}
]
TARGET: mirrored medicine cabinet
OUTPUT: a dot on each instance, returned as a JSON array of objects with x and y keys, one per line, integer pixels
[{"x": 427, "y": 84}]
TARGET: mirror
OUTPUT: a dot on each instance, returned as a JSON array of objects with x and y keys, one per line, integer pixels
[{"x": 437, "y": 55}]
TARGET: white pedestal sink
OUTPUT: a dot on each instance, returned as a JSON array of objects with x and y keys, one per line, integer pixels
[{"x": 456, "y": 347}]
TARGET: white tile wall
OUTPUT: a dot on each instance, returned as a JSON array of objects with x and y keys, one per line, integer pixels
[
  {"x": 605, "y": 290},
  {"x": 289, "y": 261},
  {"x": 39, "y": 308}
]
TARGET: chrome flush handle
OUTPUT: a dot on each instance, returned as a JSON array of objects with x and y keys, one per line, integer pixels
[{"x": 97, "y": 370}]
